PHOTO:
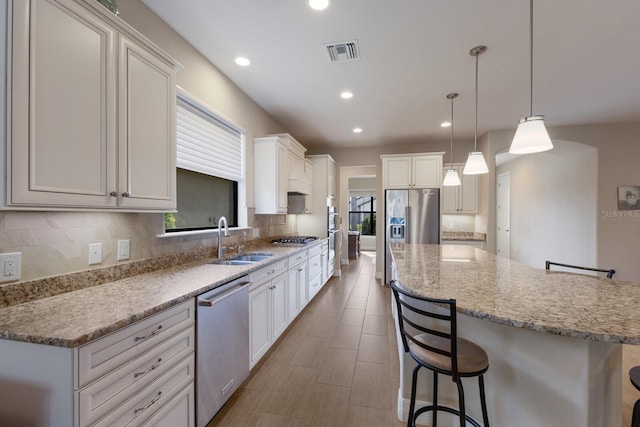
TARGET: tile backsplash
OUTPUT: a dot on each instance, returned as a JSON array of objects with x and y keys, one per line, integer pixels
[{"x": 57, "y": 243}]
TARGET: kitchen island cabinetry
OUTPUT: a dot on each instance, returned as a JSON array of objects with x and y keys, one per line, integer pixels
[
  {"x": 267, "y": 308},
  {"x": 412, "y": 170},
  {"x": 113, "y": 143},
  {"x": 554, "y": 339},
  {"x": 461, "y": 199}
]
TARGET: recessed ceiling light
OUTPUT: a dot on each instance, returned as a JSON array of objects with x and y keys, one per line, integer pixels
[
  {"x": 346, "y": 95},
  {"x": 319, "y": 4},
  {"x": 357, "y": 130},
  {"x": 242, "y": 61},
  {"x": 445, "y": 124}
]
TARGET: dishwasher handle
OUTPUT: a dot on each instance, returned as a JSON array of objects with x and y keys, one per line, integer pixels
[{"x": 203, "y": 302}]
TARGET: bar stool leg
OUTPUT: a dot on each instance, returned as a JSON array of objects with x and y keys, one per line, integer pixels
[
  {"x": 435, "y": 399},
  {"x": 463, "y": 417},
  {"x": 483, "y": 402},
  {"x": 635, "y": 421},
  {"x": 412, "y": 402}
]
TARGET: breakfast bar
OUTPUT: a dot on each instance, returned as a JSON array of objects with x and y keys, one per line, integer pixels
[{"x": 554, "y": 339}]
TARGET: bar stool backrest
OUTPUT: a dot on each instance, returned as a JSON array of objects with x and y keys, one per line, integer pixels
[
  {"x": 610, "y": 271},
  {"x": 411, "y": 307}
]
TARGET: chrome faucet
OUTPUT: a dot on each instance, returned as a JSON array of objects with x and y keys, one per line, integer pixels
[{"x": 222, "y": 222}]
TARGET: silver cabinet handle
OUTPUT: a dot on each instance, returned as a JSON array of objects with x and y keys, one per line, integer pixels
[
  {"x": 126, "y": 194},
  {"x": 155, "y": 399},
  {"x": 149, "y": 335},
  {"x": 300, "y": 269},
  {"x": 149, "y": 369},
  {"x": 271, "y": 272},
  {"x": 114, "y": 194}
]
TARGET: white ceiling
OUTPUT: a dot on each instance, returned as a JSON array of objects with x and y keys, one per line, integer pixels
[{"x": 414, "y": 52}]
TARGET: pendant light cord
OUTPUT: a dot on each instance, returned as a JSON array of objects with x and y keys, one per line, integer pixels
[
  {"x": 531, "y": 57},
  {"x": 451, "y": 151},
  {"x": 475, "y": 132}
]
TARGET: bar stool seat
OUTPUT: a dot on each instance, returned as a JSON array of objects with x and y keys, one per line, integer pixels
[
  {"x": 428, "y": 328},
  {"x": 471, "y": 357},
  {"x": 634, "y": 377}
]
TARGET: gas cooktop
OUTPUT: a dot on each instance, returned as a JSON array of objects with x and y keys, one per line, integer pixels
[{"x": 294, "y": 240}]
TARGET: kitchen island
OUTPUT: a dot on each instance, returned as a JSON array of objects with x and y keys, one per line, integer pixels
[{"x": 554, "y": 339}]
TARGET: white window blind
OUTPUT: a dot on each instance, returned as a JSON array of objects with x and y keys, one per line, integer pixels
[{"x": 207, "y": 144}]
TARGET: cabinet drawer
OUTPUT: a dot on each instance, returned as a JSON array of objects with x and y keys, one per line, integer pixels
[
  {"x": 102, "y": 396},
  {"x": 106, "y": 354},
  {"x": 315, "y": 265},
  {"x": 267, "y": 273},
  {"x": 143, "y": 405},
  {"x": 179, "y": 411},
  {"x": 296, "y": 259}
]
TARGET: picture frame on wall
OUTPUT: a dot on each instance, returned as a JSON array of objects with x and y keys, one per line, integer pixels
[{"x": 629, "y": 198}]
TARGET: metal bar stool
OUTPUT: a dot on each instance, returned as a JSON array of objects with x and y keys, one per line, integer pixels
[
  {"x": 610, "y": 271},
  {"x": 439, "y": 350},
  {"x": 634, "y": 377}
]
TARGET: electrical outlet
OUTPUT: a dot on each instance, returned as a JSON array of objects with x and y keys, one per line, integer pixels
[
  {"x": 256, "y": 233},
  {"x": 123, "y": 249},
  {"x": 95, "y": 253},
  {"x": 11, "y": 264}
]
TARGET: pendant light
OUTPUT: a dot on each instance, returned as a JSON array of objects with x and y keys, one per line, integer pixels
[
  {"x": 531, "y": 135},
  {"x": 451, "y": 178},
  {"x": 476, "y": 163}
]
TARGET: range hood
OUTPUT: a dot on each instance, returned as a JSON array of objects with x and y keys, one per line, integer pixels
[{"x": 298, "y": 186}]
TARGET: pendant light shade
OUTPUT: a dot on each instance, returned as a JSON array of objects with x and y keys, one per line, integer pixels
[
  {"x": 451, "y": 178},
  {"x": 531, "y": 135},
  {"x": 476, "y": 164}
]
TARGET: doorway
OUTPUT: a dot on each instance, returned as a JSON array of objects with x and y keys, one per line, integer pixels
[{"x": 503, "y": 212}]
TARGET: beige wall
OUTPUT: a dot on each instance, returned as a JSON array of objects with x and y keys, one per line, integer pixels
[{"x": 54, "y": 243}]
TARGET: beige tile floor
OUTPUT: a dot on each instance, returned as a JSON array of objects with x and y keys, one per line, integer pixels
[{"x": 337, "y": 364}]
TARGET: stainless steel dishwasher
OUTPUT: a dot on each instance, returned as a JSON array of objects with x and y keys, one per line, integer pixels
[{"x": 222, "y": 346}]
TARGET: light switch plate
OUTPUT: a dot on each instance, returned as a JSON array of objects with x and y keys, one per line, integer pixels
[
  {"x": 10, "y": 266},
  {"x": 95, "y": 253},
  {"x": 123, "y": 249}
]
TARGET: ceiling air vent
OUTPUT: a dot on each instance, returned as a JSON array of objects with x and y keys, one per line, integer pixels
[{"x": 343, "y": 51}]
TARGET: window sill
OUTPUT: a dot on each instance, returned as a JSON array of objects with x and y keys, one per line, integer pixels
[{"x": 198, "y": 232}]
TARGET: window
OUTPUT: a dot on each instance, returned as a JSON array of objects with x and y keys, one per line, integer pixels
[
  {"x": 362, "y": 214},
  {"x": 210, "y": 174}
]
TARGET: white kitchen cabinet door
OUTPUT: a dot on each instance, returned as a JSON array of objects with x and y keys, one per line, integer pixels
[
  {"x": 303, "y": 286},
  {"x": 92, "y": 114},
  {"x": 397, "y": 172},
  {"x": 271, "y": 175},
  {"x": 260, "y": 313},
  {"x": 279, "y": 317},
  {"x": 426, "y": 171},
  {"x": 63, "y": 106},
  {"x": 292, "y": 293},
  {"x": 308, "y": 199},
  {"x": 462, "y": 199},
  {"x": 147, "y": 143}
]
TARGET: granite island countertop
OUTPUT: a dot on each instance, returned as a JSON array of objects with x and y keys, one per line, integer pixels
[
  {"x": 75, "y": 318},
  {"x": 500, "y": 290}
]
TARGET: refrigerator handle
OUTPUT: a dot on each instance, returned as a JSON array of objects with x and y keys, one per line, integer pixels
[{"x": 407, "y": 221}]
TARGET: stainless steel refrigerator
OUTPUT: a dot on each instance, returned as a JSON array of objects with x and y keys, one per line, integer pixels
[{"x": 411, "y": 216}]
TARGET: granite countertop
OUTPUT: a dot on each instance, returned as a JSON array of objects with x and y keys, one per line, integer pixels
[
  {"x": 500, "y": 290},
  {"x": 75, "y": 318},
  {"x": 463, "y": 235}
]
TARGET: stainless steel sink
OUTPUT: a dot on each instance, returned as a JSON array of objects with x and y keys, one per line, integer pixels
[
  {"x": 233, "y": 262},
  {"x": 251, "y": 257}
]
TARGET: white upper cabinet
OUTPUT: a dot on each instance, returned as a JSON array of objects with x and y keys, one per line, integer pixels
[
  {"x": 462, "y": 199},
  {"x": 271, "y": 175},
  {"x": 91, "y": 113},
  {"x": 412, "y": 170}
]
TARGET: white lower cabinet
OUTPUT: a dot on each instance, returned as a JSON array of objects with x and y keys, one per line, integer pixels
[
  {"x": 138, "y": 372},
  {"x": 267, "y": 308}
]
